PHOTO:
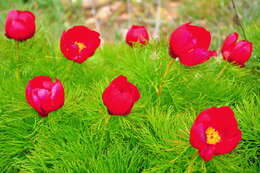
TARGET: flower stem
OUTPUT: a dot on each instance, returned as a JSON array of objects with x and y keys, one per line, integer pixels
[
  {"x": 238, "y": 19},
  {"x": 18, "y": 71},
  {"x": 164, "y": 77},
  {"x": 221, "y": 72}
]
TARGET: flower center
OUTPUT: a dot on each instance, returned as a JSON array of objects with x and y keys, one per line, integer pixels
[
  {"x": 80, "y": 45},
  {"x": 212, "y": 136}
]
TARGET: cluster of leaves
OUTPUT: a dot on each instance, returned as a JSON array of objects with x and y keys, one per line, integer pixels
[{"x": 82, "y": 137}]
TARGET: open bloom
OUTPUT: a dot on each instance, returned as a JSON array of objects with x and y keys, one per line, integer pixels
[
  {"x": 120, "y": 96},
  {"x": 20, "y": 25},
  {"x": 79, "y": 43},
  {"x": 44, "y": 95},
  {"x": 214, "y": 132},
  {"x": 191, "y": 43},
  {"x": 236, "y": 52},
  {"x": 137, "y": 34}
]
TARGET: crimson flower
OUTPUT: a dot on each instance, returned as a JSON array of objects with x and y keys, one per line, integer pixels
[
  {"x": 137, "y": 34},
  {"x": 236, "y": 52},
  {"x": 79, "y": 43},
  {"x": 191, "y": 43},
  {"x": 20, "y": 25},
  {"x": 44, "y": 95},
  {"x": 214, "y": 132},
  {"x": 120, "y": 96}
]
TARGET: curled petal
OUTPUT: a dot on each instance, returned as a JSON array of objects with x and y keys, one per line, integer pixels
[
  {"x": 229, "y": 42},
  {"x": 241, "y": 52}
]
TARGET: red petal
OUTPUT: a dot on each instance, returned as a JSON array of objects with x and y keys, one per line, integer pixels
[
  {"x": 137, "y": 34},
  {"x": 229, "y": 42},
  {"x": 228, "y": 142},
  {"x": 241, "y": 52},
  {"x": 195, "y": 57},
  {"x": 83, "y": 35},
  {"x": 188, "y": 37},
  {"x": 20, "y": 25},
  {"x": 197, "y": 136},
  {"x": 207, "y": 153},
  {"x": 119, "y": 96}
]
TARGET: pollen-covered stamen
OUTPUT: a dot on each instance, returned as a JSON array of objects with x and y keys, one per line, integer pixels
[
  {"x": 212, "y": 136},
  {"x": 80, "y": 45}
]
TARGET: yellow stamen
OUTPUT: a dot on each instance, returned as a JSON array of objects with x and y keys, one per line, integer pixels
[
  {"x": 212, "y": 136},
  {"x": 80, "y": 45}
]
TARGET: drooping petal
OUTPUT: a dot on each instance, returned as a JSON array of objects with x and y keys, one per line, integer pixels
[{"x": 196, "y": 57}]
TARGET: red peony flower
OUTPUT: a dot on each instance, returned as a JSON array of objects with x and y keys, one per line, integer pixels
[
  {"x": 120, "y": 96},
  {"x": 191, "y": 43},
  {"x": 137, "y": 34},
  {"x": 20, "y": 25},
  {"x": 79, "y": 43},
  {"x": 214, "y": 132},
  {"x": 44, "y": 95},
  {"x": 236, "y": 52}
]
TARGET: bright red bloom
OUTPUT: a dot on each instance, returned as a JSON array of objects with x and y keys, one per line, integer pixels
[
  {"x": 236, "y": 52},
  {"x": 214, "y": 132},
  {"x": 20, "y": 25},
  {"x": 190, "y": 43},
  {"x": 137, "y": 34},
  {"x": 120, "y": 96},
  {"x": 79, "y": 43},
  {"x": 44, "y": 95}
]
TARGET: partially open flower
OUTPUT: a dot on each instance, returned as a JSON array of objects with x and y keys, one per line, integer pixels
[
  {"x": 214, "y": 132},
  {"x": 120, "y": 96},
  {"x": 44, "y": 95},
  {"x": 191, "y": 43},
  {"x": 79, "y": 43},
  {"x": 137, "y": 35},
  {"x": 236, "y": 52},
  {"x": 20, "y": 25}
]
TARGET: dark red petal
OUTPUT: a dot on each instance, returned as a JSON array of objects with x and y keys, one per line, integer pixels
[
  {"x": 207, "y": 153},
  {"x": 229, "y": 42},
  {"x": 57, "y": 95},
  {"x": 196, "y": 57},
  {"x": 197, "y": 136}
]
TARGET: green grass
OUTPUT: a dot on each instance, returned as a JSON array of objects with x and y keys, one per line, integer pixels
[{"x": 82, "y": 137}]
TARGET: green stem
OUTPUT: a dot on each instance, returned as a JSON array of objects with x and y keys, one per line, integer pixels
[
  {"x": 18, "y": 71},
  {"x": 238, "y": 19},
  {"x": 221, "y": 72},
  {"x": 164, "y": 77}
]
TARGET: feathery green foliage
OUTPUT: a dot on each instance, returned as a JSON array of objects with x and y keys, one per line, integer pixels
[{"x": 82, "y": 137}]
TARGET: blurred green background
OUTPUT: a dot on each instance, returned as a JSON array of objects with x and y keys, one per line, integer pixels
[{"x": 113, "y": 17}]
